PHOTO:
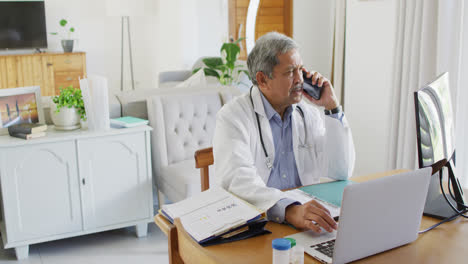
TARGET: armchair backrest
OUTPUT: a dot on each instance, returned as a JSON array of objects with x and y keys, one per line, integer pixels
[{"x": 182, "y": 123}]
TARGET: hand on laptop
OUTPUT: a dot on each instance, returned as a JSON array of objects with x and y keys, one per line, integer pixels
[{"x": 301, "y": 216}]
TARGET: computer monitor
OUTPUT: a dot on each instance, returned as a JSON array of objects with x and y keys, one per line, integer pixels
[{"x": 436, "y": 142}]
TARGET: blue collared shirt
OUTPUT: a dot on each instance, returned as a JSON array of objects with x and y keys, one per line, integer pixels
[{"x": 284, "y": 174}]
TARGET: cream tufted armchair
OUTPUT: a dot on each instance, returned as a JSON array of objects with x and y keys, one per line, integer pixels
[{"x": 182, "y": 123}]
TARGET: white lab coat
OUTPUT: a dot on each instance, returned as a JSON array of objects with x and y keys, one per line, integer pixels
[{"x": 239, "y": 159}]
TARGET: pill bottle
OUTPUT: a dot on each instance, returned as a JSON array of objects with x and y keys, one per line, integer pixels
[
  {"x": 292, "y": 240},
  {"x": 296, "y": 255},
  {"x": 281, "y": 249}
]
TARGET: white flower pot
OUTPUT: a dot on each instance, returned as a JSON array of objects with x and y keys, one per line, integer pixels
[{"x": 66, "y": 119}]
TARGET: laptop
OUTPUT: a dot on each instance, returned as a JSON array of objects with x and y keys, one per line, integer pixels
[{"x": 376, "y": 216}]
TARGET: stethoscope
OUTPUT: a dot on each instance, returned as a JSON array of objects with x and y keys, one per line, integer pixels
[{"x": 268, "y": 161}]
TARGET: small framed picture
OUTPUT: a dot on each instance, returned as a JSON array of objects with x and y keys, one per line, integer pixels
[{"x": 20, "y": 105}]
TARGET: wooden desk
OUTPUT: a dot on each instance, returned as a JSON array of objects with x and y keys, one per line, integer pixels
[{"x": 448, "y": 243}]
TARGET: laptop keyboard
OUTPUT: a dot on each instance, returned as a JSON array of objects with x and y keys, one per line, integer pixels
[{"x": 325, "y": 248}]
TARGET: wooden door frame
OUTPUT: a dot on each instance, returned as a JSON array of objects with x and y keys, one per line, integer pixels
[{"x": 288, "y": 17}]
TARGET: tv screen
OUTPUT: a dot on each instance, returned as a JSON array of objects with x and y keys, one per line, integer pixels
[{"x": 22, "y": 25}]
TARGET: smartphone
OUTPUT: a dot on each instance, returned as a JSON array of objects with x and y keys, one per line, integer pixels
[{"x": 310, "y": 89}]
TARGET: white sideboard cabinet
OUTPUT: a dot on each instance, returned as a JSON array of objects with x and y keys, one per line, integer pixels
[{"x": 74, "y": 183}]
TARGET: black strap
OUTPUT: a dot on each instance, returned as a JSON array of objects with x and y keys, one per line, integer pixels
[
  {"x": 335, "y": 110},
  {"x": 300, "y": 111}
]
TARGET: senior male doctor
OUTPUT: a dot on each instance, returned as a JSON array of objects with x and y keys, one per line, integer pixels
[{"x": 270, "y": 139}]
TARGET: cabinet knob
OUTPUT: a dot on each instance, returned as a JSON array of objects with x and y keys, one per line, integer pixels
[
  {"x": 83, "y": 181},
  {"x": 49, "y": 64}
]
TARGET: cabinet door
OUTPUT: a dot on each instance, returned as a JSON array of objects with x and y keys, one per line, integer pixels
[
  {"x": 40, "y": 190},
  {"x": 8, "y": 74},
  {"x": 116, "y": 186},
  {"x": 27, "y": 70}
]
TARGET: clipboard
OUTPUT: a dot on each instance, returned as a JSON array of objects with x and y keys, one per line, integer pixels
[{"x": 252, "y": 229}]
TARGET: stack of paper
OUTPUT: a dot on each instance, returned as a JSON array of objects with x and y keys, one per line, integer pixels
[
  {"x": 212, "y": 213},
  {"x": 96, "y": 101}
]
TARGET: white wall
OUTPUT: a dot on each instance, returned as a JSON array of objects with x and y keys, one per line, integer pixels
[
  {"x": 462, "y": 109},
  {"x": 188, "y": 30},
  {"x": 369, "y": 51},
  {"x": 370, "y": 44},
  {"x": 313, "y": 25},
  {"x": 172, "y": 37},
  {"x": 99, "y": 36}
]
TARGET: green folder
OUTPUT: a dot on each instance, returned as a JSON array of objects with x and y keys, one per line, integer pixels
[{"x": 331, "y": 192}]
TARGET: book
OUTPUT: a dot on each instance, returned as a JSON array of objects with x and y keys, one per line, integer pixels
[
  {"x": 128, "y": 121},
  {"x": 212, "y": 214},
  {"x": 28, "y": 136},
  {"x": 27, "y": 128}
]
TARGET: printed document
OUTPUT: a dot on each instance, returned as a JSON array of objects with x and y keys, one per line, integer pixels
[{"x": 211, "y": 213}]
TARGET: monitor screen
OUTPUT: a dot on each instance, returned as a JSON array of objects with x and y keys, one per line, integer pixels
[
  {"x": 434, "y": 122},
  {"x": 22, "y": 25}
]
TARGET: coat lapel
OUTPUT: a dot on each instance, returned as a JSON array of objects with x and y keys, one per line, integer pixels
[{"x": 298, "y": 137}]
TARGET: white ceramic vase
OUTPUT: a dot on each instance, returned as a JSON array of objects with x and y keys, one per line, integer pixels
[{"x": 66, "y": 119}]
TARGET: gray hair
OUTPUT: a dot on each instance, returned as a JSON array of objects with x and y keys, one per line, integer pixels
[{"x": 263, "y": 57}]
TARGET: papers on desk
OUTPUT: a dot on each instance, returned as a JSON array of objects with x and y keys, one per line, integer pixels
[
  {"x": 211, "y": 213},
  {"x": 304, "y": 197}
]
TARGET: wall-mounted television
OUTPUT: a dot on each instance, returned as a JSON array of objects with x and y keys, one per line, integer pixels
[{"x": 22, "y": 25}]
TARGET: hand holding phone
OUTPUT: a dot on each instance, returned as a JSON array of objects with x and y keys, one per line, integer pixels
[{"x": 313, "y": 90}]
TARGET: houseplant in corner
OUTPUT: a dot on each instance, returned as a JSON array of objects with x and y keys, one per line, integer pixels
[
  {"x": 224, "y": 68},
  {"x": 67, "y": 42},
  {"x": 68, "y": 109}
]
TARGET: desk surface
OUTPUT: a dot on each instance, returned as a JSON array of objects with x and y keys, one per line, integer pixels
[{"x": 447, "y": 243}]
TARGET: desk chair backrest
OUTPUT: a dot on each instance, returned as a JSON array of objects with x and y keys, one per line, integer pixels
[{"x": 203, "y": 159}]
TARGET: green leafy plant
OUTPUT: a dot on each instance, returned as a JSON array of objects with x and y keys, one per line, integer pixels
[
  {"x": 68, "y": 31},
  {"x": 70, "y": 97},
  {"x": 224, "y": 68}
]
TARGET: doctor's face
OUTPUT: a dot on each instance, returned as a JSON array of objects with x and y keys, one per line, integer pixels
[{"x": 285, "y": 88}]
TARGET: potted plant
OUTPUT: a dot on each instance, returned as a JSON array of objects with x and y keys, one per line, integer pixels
[
  {"x": 68, "y": 109},
  {"x": 224, "y": 68},
  {"x": 67, "y": 42}
]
